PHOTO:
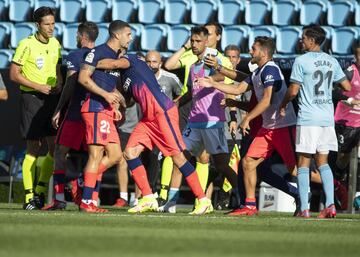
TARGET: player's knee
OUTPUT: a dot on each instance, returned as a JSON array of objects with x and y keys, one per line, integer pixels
[{"x": 247, "y": 163}]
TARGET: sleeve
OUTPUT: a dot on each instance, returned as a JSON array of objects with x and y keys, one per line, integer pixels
[
  {"x": 225, "y": 62},
  {"x": 59, "y": 52},
  {"x": 349, "y": 72},
  {"x": 93, "y": 57},
  {"x": 339, "y": 75},
  {"x": 248, "y": 80},
  {"x": 2, "y": 85},
  {"x": 297, "y": 73},
  {"x": 72, "y": 62},
  {"x": 176, "y": 86},
  {"x": 184, "y": 59},
  {"x": 22, "y": 53},
  {"x": 270, "y": 76}
]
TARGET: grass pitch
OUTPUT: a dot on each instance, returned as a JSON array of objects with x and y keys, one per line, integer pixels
[{"x": 117, "y": 233}]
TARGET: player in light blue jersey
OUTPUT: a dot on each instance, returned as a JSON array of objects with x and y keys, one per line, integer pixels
[{"x": 312, "y": 77}]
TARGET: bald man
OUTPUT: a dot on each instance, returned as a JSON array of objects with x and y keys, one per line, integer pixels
[{"x": 169, "y": 82}]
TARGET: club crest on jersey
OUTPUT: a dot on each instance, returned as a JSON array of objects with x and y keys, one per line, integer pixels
[{"x": 39, "y": 62}]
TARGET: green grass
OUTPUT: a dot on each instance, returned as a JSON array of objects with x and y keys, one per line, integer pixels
[{"x": 70, "y": 233}]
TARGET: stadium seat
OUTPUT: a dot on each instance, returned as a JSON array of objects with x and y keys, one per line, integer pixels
[
  {"x": 230, "y": 12},
  {"x": 269, "y": 31},
  {"x": 176, "y": 11},
  {"x": 340, "y": 13},
  {"x": 136, "y": 30},
  {"x": 5, "y": 58},
  {"x": 326, "y": 45},
  {"x": 124, "y": 10},
  {"x": 236, "y": 35},
  {"x": 313, "y": 11},
  {"x": 59, "y": 30},
  {"x": 287, "y": 39},
  {"x": 21, "y": 31},
  {"x": 5, "y": 31},
  {"x": 50, "y": 3},
  {"x": 150, "y": 11},
  {"x": 103, "y": 33},
  {"x": 153, "y": 37},
  {"x": 20, "y": 10},
  {"x": 285, "y": 12},
  {"x": 69, "y": 36},
  {"x": 177, "y": 36},
  {"x": 343, "y": 40},
  {"x": 203, "y": 11},
  {"x": 257, "y": 12},
  {"x": 357, "y": 14},
  {"x": 71, "y": 10},
  {"x": 98, "y": 10},
  {"x": 4, "y": 6}
]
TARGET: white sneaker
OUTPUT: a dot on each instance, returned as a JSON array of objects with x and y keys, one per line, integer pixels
[{"x": 169, "y": 207}]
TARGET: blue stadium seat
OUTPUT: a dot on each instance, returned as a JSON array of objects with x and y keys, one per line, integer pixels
[
  {"x": 230, "y": 12},
  {"x": 150, "y": 11},
  {"x": 21, "y": 31},
  {"x": 50, "y": 3},
  {"x": 313, "y": 11},
  {"x": 69, "y": 36},
  {"x": 98, "y": 10},
  {"x": 235, "y": 35},
  {"x": 285, "y": 12},
  {"x": 177, "y": 36},
  {"x": 5, "y": 31},
  {"x": 343, "y": 40},
  {"x": 287, "y": 39},
  {"x": 269, "y": 31},
  {"x": 4, "y": 6},
  {"x": 71, "y": 10},
  {"x": 326, "y": 45},
  {"x": 203, "y": 11},
  {"x": 176, "y": 11},
  {"x": 340, "y": 13},
  {"x": 257, "y": 12},
  {"x": 136, "y": 30},
  {"x": 165, "y": 55},
  {"x": 357, "y": 14},
  {"x": 153, "y": 37},
  {"x": 124, "y": 10},
  {"x": 59, "y": 30},
  {"x": 5, "y": 58},
  {"x": 20, "y": 10},
  {"x": 103, "y": 33}
]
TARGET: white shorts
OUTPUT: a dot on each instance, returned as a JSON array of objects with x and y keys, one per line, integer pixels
[
  {"x": 212, "y": 140},
  {"x": 314, "y": 139}
]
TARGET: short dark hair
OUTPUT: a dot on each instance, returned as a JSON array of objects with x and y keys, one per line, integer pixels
[
  {"x": 232, "y": 48},
  {"x": 117, "y": 25},
  {"x": 356, "y": 46},
  {"x": 90, "y": 29},
  {"x": 315, "y": 32},
  {"x": 218, "y": 27},
  {"x": 41, "y": 12},
  {"x": 266, "y": 42},
  {"x": 197, "y": 30}
]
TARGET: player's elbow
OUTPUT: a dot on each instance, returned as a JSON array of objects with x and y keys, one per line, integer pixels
[{"x": 346, "y": 85}]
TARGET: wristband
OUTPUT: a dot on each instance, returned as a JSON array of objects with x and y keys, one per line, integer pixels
[
  {"x": 184, "y": 46},
  {"x": 233, "y": 116}
]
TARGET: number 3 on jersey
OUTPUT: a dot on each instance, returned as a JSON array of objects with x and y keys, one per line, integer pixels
[{"x": 105, "y": 127}]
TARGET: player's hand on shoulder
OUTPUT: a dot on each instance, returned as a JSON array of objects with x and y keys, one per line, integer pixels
[{"x": 211, "y": 61}]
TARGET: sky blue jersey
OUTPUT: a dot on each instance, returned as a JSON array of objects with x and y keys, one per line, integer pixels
[{"x": 316, "y": 72}]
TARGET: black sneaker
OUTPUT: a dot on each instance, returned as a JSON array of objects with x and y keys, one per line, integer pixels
[
  {"x": 55, "y": 206},
  {"x": 161, "y": 202},
  {"x": 223, "y": 201},
  {"x": 30, "y": 206},
  {"x": 39, "y": 200},
  {"x": 298, "y": 209}
]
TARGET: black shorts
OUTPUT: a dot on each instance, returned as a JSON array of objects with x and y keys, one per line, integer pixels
[
  {"x": 36, "y": 112},
  {"x": 348, "y": 137},
  {"x": 124, "y": 138}
]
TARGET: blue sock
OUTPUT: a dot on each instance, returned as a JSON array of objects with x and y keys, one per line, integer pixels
[
  {"x": 303, "y": 186},
  {"x": 328, "y": 183},
  {"x": 174, "y": 194}
]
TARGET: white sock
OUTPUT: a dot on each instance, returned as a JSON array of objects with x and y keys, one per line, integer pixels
[{"x": 124, "y": 195}]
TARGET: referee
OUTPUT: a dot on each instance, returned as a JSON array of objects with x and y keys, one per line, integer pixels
[{"x": 36, "y": 68}]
